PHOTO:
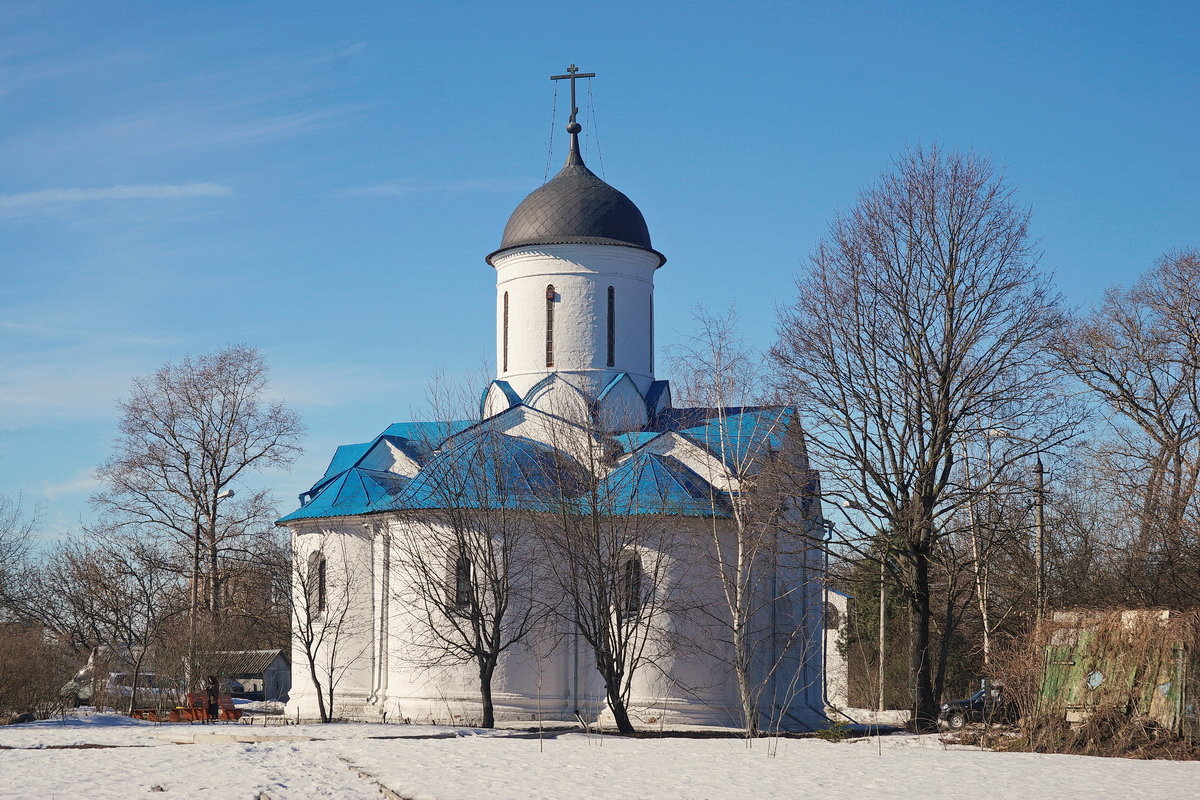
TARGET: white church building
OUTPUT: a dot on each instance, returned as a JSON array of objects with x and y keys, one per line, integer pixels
[{"x": 574, "y": 376}]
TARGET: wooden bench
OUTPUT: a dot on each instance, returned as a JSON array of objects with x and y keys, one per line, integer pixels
[{"x": 195, "y": 708}]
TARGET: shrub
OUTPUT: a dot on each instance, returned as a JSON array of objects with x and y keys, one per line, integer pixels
[{"x": 33, "y": 668}]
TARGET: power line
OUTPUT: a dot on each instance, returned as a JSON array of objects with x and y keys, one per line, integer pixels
[
  {"x": 595, "y": 129},
  {"x": 550, "y": 147}
]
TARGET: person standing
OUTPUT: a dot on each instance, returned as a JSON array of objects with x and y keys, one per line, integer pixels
[{"x": 214, "y": 698}]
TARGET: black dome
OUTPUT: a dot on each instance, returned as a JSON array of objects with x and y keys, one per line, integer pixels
[{"x": 576, "y": 207}]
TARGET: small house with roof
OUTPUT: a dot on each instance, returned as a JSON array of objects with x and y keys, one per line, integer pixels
[
  {"x": 575, "y": 411},
  {"x": 265, "y": 672}
]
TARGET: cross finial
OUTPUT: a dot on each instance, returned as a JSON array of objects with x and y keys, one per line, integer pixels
[{"x": 573, "y": 126}]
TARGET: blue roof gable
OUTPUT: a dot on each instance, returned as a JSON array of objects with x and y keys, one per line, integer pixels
[
  {"x": 354, "y": 491},
  {"x": 635, "y": 440},
  {"x": 490, "y": 468},
  {"x": 649, "y": 483},
  {"x": 738, "y": 436},
  {"x": 345, "y": 457},
  {"x": 421, "y": 439},
  {"x": 493, "y": 470}
]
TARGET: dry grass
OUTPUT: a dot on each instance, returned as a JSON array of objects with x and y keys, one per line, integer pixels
[{"x": 1118, "y": 684}]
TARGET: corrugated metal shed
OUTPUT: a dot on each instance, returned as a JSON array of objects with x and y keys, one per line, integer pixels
[{"x": 231, "y": 663}]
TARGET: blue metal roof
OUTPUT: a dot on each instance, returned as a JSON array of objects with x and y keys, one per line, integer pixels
[
  {"x": 738, "y": 436},
  {"x": 421, "y": 439},
  {"x": 635, "y": 440},
  {"x": 493, "y": 469},
  {"x": 345, "y": 457},
  {"x": 649, "y": 483},
  {"x": 355, "y": 491},
  {"x": 505, "y": 387},
  {"x": 654, "y": 394}
]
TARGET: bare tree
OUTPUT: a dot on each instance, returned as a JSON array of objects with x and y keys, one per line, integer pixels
[
  {"x": 920, "y": 323},
  {"x": 1139, "y": 354},
  {"x": 16, "y": 532},
  {"x": 466, "y": 559},
  {"x": 189, "y": 433},
  {"x": 754, "y": 529},
  {"x": 325, "y": 580},
  {"x": 607, "y": 543},
  {"x": 464, "y": 556},
  {"x": 34, "y": 665},
  {"x": 126, "y": 591}
]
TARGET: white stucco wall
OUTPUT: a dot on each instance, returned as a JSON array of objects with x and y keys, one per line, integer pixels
[
  {"x": 387, "y": 675},
  {"x": 837, "y": 674},
  {"x": 581, "y": 275},
  {"x": 345, "y": 652}
]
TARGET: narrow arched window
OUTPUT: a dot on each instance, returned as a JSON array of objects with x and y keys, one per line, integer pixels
[
  {"x": 315, "y": 583},
  {"x": 651, "y": 332},
  {"x": 550, "y": 325},
  {"x": 504, "y": 347},
  {"x": 612, "y": 325},
  {"x": 462, "y": 582},
  {"x": 631, "y": 587},
  {"x": 833, "y": 620}
]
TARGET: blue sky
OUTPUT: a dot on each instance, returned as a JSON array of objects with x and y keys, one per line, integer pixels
[{"x": 323, "y": 180}]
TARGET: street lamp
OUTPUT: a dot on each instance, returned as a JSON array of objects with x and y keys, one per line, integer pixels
[{"x": 1039, "y": 518}]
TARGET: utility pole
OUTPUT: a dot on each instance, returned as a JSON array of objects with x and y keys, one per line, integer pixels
[
  {"x": 1039, "y": 522},
  {"x": 977, "y": 554},
  {"x": 882, "y": 623}
]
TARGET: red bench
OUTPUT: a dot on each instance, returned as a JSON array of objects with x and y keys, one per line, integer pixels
[{"x": 195, "y": 708}]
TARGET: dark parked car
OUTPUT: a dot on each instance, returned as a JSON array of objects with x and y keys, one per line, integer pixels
[{"x": 989, "y": 704}]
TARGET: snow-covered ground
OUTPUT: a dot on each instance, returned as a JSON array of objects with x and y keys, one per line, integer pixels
[
  {"x": 128, "y": 758},
  {"x": 867, "y": 716},
  {"x": 259, "y": 706}
]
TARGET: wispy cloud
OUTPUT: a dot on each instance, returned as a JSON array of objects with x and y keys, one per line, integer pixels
[
  {"x": 82, "y": 483},
  {"x": 349, "y": 51},
  {"x": 25, "y": 202},
  {"x": 171, "y": 129},
  {"x": 405, "y": 187},
  {"x": 161, "y": 191},
  {"x": 90, "y": 335},
  {"x": 27, "y": 61},
  {"x": 63, "y": 388},
  {"x": 264, "y": 129}
]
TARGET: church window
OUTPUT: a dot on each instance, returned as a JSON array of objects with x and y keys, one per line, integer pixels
[
  {"x": 550, "y": 325},
  {"x": 652, "y": 333},
  {"x": 316, "y": 583},
  {"x": 630, "y": 601},
  {"x": 504, "y": 366},
  {"x": 462, "y": 582},
  {"x": 832, "y": 618},
  {"x": 612, "y": 325}
]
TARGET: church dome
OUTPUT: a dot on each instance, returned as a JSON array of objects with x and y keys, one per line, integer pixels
[{"x": 576, "y": 207}]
